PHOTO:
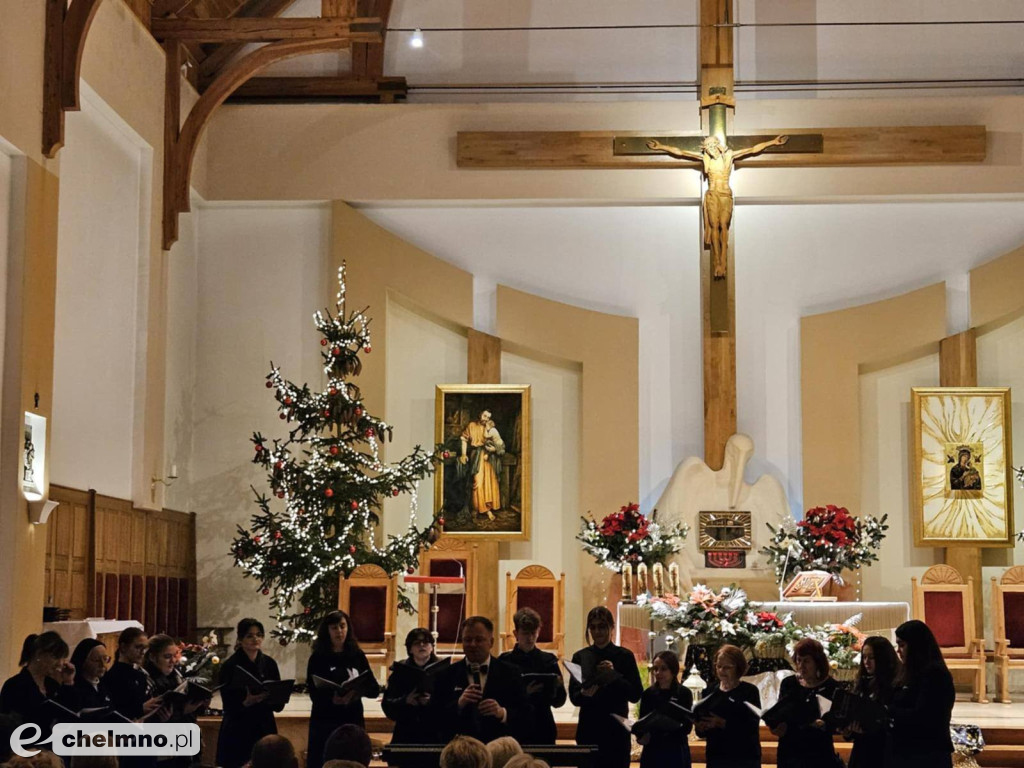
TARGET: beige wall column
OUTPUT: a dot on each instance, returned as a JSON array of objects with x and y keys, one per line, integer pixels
[
  {"x": 28, "y": 372},
  {"x": 606, "y": 347}
]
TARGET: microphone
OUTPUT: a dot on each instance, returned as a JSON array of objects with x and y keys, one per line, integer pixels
[{"x": 474, "y": 670}]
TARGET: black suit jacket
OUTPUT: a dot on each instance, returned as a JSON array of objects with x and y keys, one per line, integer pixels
[
  {"x": 504, "y": 685},
  {"x": 543, "y": 730}
]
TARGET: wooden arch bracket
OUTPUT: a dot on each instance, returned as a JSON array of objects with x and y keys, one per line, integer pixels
[
  {"x": 66, "y": 28},
  {"x": 181, "y": 139}
]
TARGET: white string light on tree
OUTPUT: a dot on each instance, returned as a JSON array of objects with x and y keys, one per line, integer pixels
[{"x": 329, "y": 475}]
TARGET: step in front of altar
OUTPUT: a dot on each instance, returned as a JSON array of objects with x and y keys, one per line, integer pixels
[{"x": 1004, "y": 739}]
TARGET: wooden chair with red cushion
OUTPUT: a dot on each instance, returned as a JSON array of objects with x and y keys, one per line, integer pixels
[
  {"x": 1008, "y": 626},
  {"x": 945, "y": 603},
  {"x": 536, "y": 587},
  {"x": 370, "y": 598},
  {"x": 450, "y": 557}
]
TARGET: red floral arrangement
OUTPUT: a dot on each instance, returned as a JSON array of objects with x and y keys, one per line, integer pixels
[
  {"x": 768, "y": 621},
  {"x": 629, "y": 536},
  {"x": 828, "y": 539}
]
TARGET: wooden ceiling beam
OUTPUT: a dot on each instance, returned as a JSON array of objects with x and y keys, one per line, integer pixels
[
  {"x": 368, "y": 59},
  {"x": 299, "y": 89},
  {"x": 905, "y": 145},
  {"x": 219, "y": 56},
  {"x": 66, "y": 28},
  {"x": 250, "y": 30}
]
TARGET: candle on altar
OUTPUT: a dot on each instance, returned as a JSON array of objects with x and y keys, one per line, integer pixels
[
  {"x": 673, "y": 578},
  {"x": 627, "y": 583},
  {"x": 641, "y": 578},
  {"x": 658, "y": 579}
]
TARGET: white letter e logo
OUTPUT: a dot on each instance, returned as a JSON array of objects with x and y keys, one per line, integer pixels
[{"x": 17, "y": 742}]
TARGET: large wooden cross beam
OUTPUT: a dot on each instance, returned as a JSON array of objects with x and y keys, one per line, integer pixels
[{"x": 929, "y": 145}]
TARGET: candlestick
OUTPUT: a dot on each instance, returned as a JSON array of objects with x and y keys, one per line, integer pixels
[
  {"x": 641, "y": 578},
  {"x": 658, "y": 579},
  {"x": 673, "y": 578},
  {"x": 627, "y": 583}
]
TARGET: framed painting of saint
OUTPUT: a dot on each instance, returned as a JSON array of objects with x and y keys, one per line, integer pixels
[
  {"x": 962, "y": 467},
  {"x": 482, "y": 488}
]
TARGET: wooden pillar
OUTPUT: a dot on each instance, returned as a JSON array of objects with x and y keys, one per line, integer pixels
[
  {"x": 484, "y": 367},
  {"x": 958, "y": 367}
]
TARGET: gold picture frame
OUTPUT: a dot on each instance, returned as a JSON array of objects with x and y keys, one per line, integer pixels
[
  {"x": 962, "y": 471},
  {"x": 482, "y": 488}
]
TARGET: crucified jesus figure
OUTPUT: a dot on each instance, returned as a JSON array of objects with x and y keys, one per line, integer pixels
[{"x": 718, "y": 160}]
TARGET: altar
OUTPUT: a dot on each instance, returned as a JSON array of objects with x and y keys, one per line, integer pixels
[{"x": 876, "y": 617}]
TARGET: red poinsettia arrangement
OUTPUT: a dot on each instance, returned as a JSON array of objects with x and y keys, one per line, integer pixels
[
  {"x": 629, "y": 536},
  {"x": 767, "y": 621},
  {"x": 831, "y": 525}
]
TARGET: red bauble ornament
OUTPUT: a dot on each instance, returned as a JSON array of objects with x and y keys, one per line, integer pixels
[
  {"x": 410, "y": 570},
  {"x": 446, "y": 455},
  {"x": 266, "y": 591},
  {"x": 273, "y": 562},
  {"x": 352, "y": 549},
  {"x": 308, "y": 611},
  {"x": 354, "y": 505},
  {"x": 256, "y": 539},
  {"x": 277, "y": 534},
  {"x": 283, "y": 416},
  {"x": 334, "y": 450},
  {"x": 270, "y": 385},
  {"x": 279, "y": 465},
  {"x": 440, "y": 521},
  {"x": 358, "y": 411},
  {"x": 335, "y": 351},
  {"x": 323, "y": 342},
  {"x": 283, "y": 642},
  {"x": 327, "y": 411},
  {"x": 332, "y": 391},
  {"x": 367, "y": 349},
  {"x": 329, "y": 492},
  {"x": 369, "y": 433},
  {"x": 258, "y": 447},
  {"x": 287, "y": 401},
  {"x": 280, "y": 494},
  {"x": 394, "y": 492}
]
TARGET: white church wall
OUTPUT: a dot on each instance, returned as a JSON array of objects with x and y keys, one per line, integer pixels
[
  {"x": 102, "y": 254},
  {"x": 420, "y": 355},
  {"x": 261, "y": 277},
  {"x": 885, "y": 456},
  {"x": 555, "y": 407},
  {"x": 181, "y": 351}
]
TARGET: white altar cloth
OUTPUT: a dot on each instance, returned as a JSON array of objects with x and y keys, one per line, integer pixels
[{"x": 75, "y": 631}]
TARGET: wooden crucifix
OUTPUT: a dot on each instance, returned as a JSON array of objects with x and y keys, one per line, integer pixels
[{"x": 922, "y": 145}]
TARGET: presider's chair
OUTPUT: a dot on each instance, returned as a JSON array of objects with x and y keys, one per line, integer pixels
[
  {"x": 370, "y": 598},
  {"x": 536, "y": 587},
  {"x": 1008, "y": 626},
  {"x": 946, "y": 604}
]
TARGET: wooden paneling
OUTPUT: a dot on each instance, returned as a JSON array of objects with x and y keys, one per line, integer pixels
[
  {"x": 930, "y": 145},
  {"x": 106, "y": 558}
]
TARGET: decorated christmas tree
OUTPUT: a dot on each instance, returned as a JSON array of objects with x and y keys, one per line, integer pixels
[{"x": 327, "y": 485}]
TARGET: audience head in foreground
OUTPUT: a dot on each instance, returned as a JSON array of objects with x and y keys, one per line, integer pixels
[
  {"x": 502, "y": 750},
  {"x": 274, "y": 751},
  {"x": 526, "y": 761},
  {"x": 349, "y": 742},
  {"x": 465, "y": 752}
]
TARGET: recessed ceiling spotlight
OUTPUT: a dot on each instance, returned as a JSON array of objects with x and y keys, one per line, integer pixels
[{"x": 416, "y": 41}]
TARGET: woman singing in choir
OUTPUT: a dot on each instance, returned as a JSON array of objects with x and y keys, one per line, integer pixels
[
  {"x": 90, "y": 662},
  {"x": 613, "y": 681},
  {"x": 665, "y": 747},
  {"x": 128, "y": 687},
  {"x": 404, "y": 700},
  {"x": 872, "y": 741},
  {"x": 335, "y": 652},
  {"x": 805, "y": 735},
  {"x": 922, "y": 703},
  {"x": 46, "y": 678},
  {"x": 247, "y": 715},
  {"x": 729, "y": 726}
]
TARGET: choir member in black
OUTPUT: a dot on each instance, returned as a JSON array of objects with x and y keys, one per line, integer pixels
[
  {"x": 125, "y": 682},
  {"x": 415, "y": 719},
  {"x": 805, "y": 736},
  {"x": 247, "y": 716},
  {"x": 26, "y": 650},
  {"x": 664, "y": 748},
  {"x": 922, "y": 702},
  {"x": 481, "y": 696},
  {"x": 731, "y": 729},
  {"x": 872, "y": 742},
  {"x": 598, "y": 704},
  {"x": 47, "y": 676},
  {"x": 532, "y": 660},
  {"x": 335, "y": 652},
  {"x": 160, "y": 664},
  {"x": 90, "y": 662}
]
